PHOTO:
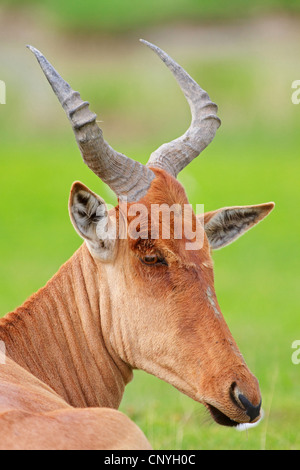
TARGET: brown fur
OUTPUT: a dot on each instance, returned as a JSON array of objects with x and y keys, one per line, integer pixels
[{"x": 74, "y": 343}]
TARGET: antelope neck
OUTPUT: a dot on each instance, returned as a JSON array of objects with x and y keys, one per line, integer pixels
[{"x": 56, "y": 335}]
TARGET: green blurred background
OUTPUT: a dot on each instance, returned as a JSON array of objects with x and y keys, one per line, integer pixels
[{"x": 246, "y": 55}]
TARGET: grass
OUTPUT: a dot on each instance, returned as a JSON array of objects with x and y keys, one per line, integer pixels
[
  {"x": 121, "y": 16},
  {"x": 254, "y": 159}
]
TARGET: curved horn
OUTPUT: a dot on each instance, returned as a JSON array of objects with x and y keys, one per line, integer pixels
[
  {"x": 176, "y": 155},
  {"x": 126, "y": 177}
]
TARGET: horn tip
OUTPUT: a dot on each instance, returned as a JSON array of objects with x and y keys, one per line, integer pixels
[
  {"x": 33, "y": 49},
  {"x": 149, "y": 44},
  {"x": 36, "y": 52},
  {"x": 163, "y": 56}
]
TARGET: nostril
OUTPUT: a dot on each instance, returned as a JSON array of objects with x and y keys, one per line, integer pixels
[
  {"x": 234, "y": 395},
  {"x": 234, "y": 392},
  {"x": 251, "y": 410},
  {"x": 242, "y": 402}
]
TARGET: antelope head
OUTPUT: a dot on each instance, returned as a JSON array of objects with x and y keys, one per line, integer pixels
[{"x": 162, "y": 314}]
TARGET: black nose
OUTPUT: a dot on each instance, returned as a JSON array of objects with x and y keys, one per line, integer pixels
[{"x": 251, "y": 410}]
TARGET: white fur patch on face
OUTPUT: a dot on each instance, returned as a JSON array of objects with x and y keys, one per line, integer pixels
[
  {"x": 212, "y": 302},
  {"x": 245, "y": 426}
]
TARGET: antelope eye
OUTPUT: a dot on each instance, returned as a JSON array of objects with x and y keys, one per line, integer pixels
[{"x": 151, "y": 260}]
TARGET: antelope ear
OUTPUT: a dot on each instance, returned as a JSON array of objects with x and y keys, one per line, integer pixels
[
  {"x": 89, "y": 216},
  {"x": 224, "y": 226}
]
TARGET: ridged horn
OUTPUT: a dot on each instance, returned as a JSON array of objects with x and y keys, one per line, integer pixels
[
  {"x": 126, "y": 177},
  {"x": 177, "y": 154}
]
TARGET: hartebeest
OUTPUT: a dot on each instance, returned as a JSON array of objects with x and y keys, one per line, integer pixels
[{"x": 123, "y": 303}]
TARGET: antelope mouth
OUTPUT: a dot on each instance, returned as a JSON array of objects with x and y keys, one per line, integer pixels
[
  {"x": 247, "y": 413},
  {"x": 220, "y": 418}
]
